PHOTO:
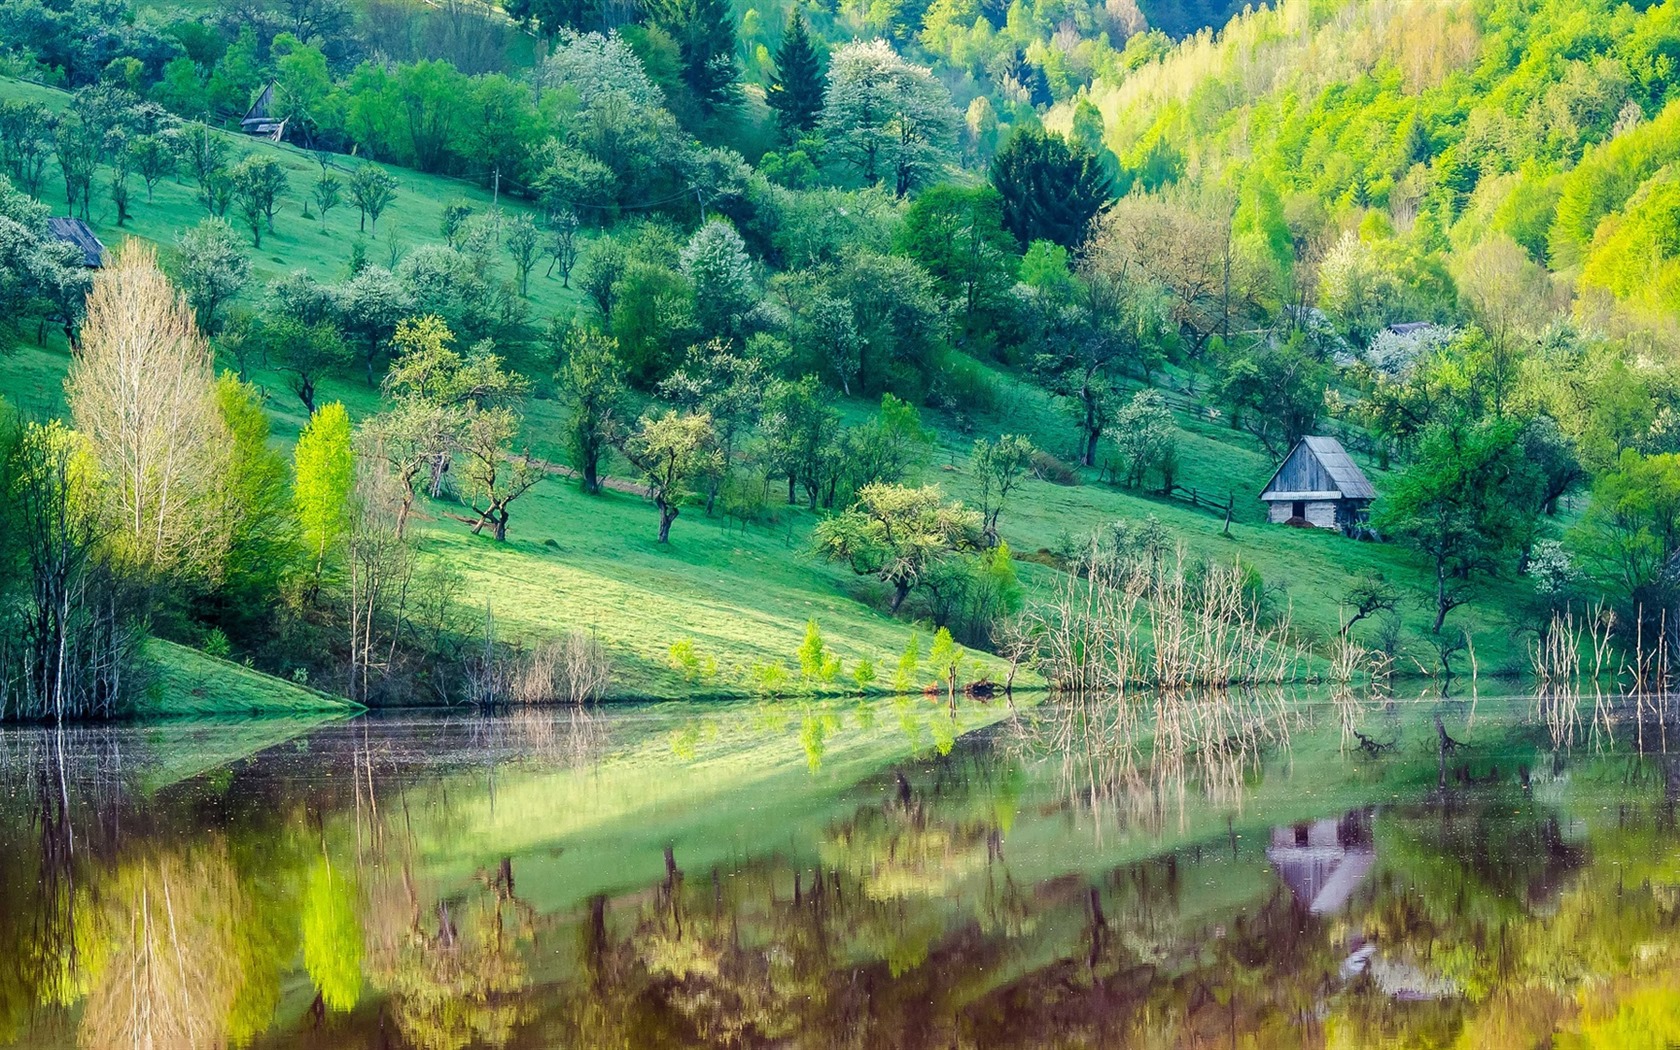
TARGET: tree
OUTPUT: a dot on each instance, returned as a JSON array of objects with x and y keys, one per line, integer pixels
[
  {"x": 562, "y": 245},
  {"x": 455, "y": 215},
  {"x": 1181, "y": 247},
  {"x": 154, "y": 158},
  {"x": 26, "y": 143},
  {"x": 1276, "y": 392},
  {"x": 258, "y": 182},
  {"x": 799, "y": 430},
  {"x": 1466, "y": 503},
  {"x": 327, "y": 193},
  {"x": 373, "y": 189},
  {"x": 1146, "y": 436},
  {"x": 79, "y": 145},
  {"x": 521, "y": 243},
  {"x": 40, "y": 275},
  {"x": 121, "y": 167},
  {"x": 592, "y": 382},
  {"x": 897, "y": 533},
  {"x": 704, "y": 32},
  {"x": 1050, "y": 190},
  {"x": 1631, "y": 530},
  {"x": 885, "y": 119},
  {"x": 324, "y": 472},
  {"x": 795, "y": 90},
  {"x": 305, "y": 351},
  {"x": 727, "y": 387},
  {"x": 495, "y": 475},
  {"x": 1091, "y": 328},
  {"x": 205, "y": 152},
  {"x": 957, "y": 235},
  {"x": 212, "y": 267},
  {"x": 716, "y": 263},
  {"x": 370, "y": 304},
  {"x": 999, "y": 467},
  {"x": 671, "y": 451},
  {"x": 142, "y": 392},
  {"x": 447, "y": 404}
]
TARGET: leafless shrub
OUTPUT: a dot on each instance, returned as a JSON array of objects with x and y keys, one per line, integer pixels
[
  {"x": 574, "y": 668},
  {"x": 1157, "y": 621}
]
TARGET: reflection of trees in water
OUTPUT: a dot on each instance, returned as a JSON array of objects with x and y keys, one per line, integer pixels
[
  {"x": 1130, "y": 760},
  {"x": 60, "y": 798},
  {"x": 171, "y": 970}
]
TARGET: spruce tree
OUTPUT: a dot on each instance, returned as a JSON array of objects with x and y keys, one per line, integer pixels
[
  {"x": 1051, "y": 189},
  {"x": 796, "y": 91},
  {"x": 704, "y": 31}
]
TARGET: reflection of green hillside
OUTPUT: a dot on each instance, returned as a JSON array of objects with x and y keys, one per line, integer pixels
[
  {"x": 682, "y": 876},
  {"x": 182, "y": 748}
]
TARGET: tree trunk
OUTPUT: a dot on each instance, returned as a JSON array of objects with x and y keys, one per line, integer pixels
[
  {"x": 667, "y": 514},
  {"x": 1440, "y": 595},
  {"x": 901, "y": 591},
  {"x": 592, "y": 475}
]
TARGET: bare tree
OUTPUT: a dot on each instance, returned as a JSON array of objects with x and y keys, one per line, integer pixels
[
  {"x": 142, "y": 392},
  {"x": 379, "y": 565}
]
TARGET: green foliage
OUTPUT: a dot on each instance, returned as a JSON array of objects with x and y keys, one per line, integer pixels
[
  {"x": 332, "y": 938},
  {"x": 863, "y": 673},
  {"x": 324, "y": 472},
  {"x": 1049, "y": 190},
  {"x": 1467, "y": 504},
  {"x": 795, "y": 91},
  {"x": 1631, "y": 530},
  {"x": 695, "y": 667},
  {"x": 909, "y": 662},
  {"x": 887, "y": 121},
  {"x": 897, "y": 533},
  {"x": 1146, "y": 437},
  {"x": 958, "y": 236}
]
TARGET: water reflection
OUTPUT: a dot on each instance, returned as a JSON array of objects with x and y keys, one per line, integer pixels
[{"x": 1214, "y": 869}]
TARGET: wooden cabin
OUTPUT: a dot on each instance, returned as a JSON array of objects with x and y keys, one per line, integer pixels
[
  {"x": 259, "y": 121},
  {"x": 80, "y": 236},
  {"x": 1318, "y": 484},
  {"x": 1324, "y": 861}
]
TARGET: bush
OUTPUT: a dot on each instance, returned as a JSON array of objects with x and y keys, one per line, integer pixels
[
  {"x": 574, "y": 668},
  {"x": 1049, "y": 468}
]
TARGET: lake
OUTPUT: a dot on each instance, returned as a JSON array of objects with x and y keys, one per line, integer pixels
[{"x": 1254, "y": 870}]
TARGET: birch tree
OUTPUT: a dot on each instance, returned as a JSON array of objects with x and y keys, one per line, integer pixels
[{"x": 142, "y": 391}]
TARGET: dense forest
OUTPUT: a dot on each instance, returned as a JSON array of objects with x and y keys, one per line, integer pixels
[{"x": 937, "y": 314}]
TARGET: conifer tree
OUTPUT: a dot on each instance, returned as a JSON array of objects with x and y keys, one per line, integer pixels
[
  {"x": 704, "y": 31},
  {"x": 796, "y": 91}
]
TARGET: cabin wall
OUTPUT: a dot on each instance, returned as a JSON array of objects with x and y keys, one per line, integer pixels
[
  {"x": 1321, "y": 513},
  {"x": 1302, "y": 472}
]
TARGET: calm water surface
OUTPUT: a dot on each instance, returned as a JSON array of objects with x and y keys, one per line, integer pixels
[{"x": 1252, "y": 871}]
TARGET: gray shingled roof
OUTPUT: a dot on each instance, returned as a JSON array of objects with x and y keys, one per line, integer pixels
[
  {"x": 79, "y": 234},
  {"x": 1340, "y": 466}
]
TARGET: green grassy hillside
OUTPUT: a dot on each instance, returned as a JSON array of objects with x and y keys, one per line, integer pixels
[
  {"x": 744, "y": 594},
  {"x": 323, "y": 249}
]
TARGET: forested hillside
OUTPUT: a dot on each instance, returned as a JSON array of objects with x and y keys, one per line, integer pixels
[{"x": 725, "y": 345}]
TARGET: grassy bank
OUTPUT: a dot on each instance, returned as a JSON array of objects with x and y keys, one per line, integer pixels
[{"x": 186, "y": 683}]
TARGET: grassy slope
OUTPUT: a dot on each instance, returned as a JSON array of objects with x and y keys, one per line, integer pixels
[
  {"x": 745, "y": 596},
  {"x": 186, "y": 682},
  {"x": 414, "y": 218}
]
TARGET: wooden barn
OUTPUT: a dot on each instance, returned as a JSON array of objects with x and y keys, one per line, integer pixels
[
  {"x": 79, "y": 235},
  {"x": 258, "y": 121},
  {"x": 1318, "y": 484}
]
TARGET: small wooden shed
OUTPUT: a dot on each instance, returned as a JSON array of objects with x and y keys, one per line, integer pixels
[
  {"x": 1318, "y": 484},
  {"x": 79, "y": 235},
  {"x": 257, "y": 119}
]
